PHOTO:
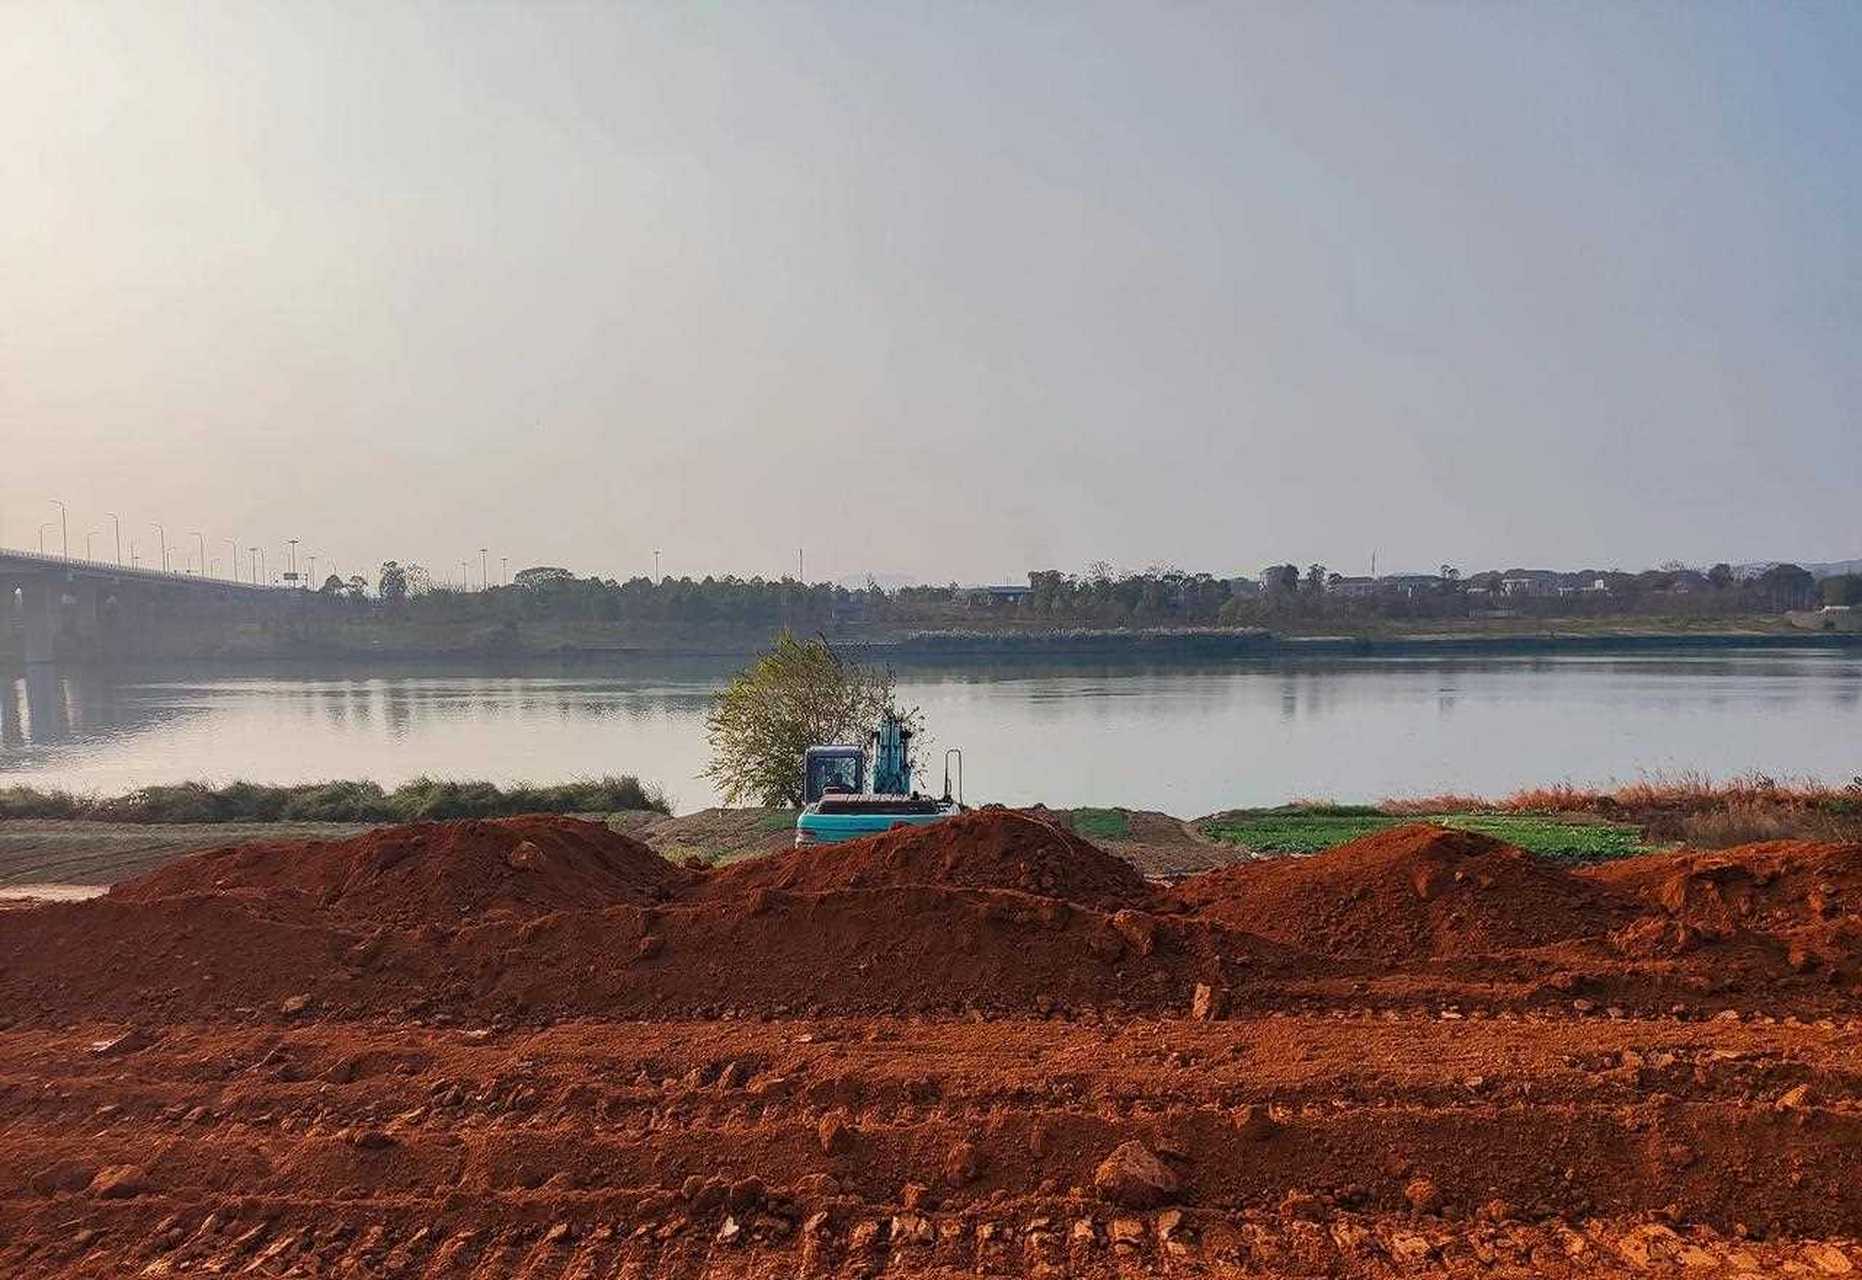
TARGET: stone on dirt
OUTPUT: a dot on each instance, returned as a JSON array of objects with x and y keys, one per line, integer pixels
[
  {"x": 962, "y": 1163},
  {"x": 1423, "y": 1195},
  {"x": 833, "y": 1133},
  {"x": 1134, "y": 1177},
  {"x": 119, "y": 1182}
]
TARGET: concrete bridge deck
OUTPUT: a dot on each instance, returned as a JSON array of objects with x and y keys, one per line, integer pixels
[{"x": 72, "y": 608}]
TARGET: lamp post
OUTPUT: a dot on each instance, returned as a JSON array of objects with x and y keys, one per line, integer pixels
[
  {"x": 233, "y": 546},
  {"x": 311, "y": 576},
  {"x": 656, "y": 566},
  {"x": 201, "y": 540},
  {"x": 504, "y": 571},
  {"x": 163, "y": 535},
  {"x": 119, "y": 537},
  {"x": 134, "y": 559},
  {"x": 42, "y": 528},
  {"x": 484, "y": 574},
  {"x": 294, "y": 577},
  {"x": 87, "y": 543},
  {"x": 64, "y": 530}
]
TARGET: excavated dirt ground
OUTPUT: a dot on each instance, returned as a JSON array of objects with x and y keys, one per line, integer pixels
[{"x": 534, "y": 1049}]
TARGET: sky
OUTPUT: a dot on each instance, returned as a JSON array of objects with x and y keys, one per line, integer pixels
[{"x": 948, "y": 290}]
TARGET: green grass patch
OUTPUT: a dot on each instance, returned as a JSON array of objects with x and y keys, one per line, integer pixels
[
  {"x": 1301, "y": 832},
  {"x": 346, "y": 801},
  {"x": 1293, "y": 832},
  {"x": 780, "y": 820},
  {"x": 1102, "y": 824},
  {"x": 1553, "y": 837}
]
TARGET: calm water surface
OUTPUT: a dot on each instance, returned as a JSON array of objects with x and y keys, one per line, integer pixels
[{"x": 1189, "y": 738}]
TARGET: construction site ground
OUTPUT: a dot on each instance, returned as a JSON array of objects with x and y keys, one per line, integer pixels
[{"x": 535, "y": 1048}]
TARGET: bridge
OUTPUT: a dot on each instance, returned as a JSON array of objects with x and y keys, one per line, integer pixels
[{"x": 68, "y": 608}]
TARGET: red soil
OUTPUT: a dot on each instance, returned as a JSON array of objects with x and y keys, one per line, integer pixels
[
  {"x": 1407, "y": 894},
  {"x": 1792, "y": 898},
  {"x": 435, "y": 873},
  {"x": 416, "y": 1053},
  {"x": 1772, "y": 888},
  {"x": 989, "y": 849}
]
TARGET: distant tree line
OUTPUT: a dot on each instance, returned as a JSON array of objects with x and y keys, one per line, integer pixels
[{"x": 1101, "y": 596}]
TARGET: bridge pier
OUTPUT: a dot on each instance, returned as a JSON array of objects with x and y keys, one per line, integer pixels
[{"x": 39, "y": 605}]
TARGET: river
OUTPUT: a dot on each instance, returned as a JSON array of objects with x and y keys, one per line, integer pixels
[{"x": 1188, "y": 737}]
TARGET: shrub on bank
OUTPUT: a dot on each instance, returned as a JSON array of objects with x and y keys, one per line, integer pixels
[{"x": 340, "y": 801}]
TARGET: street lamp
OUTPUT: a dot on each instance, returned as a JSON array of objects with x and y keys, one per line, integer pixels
[
  {"x": 233, "y": 546},
  {"x": 64, "y": 530},
  {"x": 201, "y": 539},
  {"x": 484, "y": 577},
  {"x": 656, "y": 565},
  {"x": 119, "y": 538},
  {"x": 504, "y": 571},
  {"x": 134, "y": 559},
  {"x": 293, "y": 542},
  {"x": 87, "y": 543},
  {"x": 42, "y": 528},
  {"x": 163, "y": 534}
]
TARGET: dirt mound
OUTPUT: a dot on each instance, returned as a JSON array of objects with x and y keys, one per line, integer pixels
[
  {"x": 988, "y": 849},
  {"x": 1770, "y": 887},
  {"x": 435, "y": 873},
  {"x": 1798, "y": 896},
  {"x": 1413, "y": 892},
  {"x": 549, "y": 917},
  {"x": 540, "y": 919}
]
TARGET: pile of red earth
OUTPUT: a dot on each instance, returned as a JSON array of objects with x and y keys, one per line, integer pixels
[
  {"x": 1789, "y": 898},
  {"x": 538, "y": 918},
  {"x": 434, "y": 873},
  {"x": 995, "y": 849},
  {"x": 1406, "y": 894},
  {"x": 535, "y": 919}
]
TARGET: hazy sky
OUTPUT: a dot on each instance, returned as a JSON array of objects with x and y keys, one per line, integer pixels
[{"x": 947, "y": 289}]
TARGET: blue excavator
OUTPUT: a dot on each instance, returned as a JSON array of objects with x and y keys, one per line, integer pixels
[{"x": 840, "y": 801}]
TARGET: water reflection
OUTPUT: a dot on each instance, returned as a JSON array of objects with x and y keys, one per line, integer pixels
[{"x": 1189, "y": 736}]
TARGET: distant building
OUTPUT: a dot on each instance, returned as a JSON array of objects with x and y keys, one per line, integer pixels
[
  {"x": 1350, "y": 588},
  {"x": 1529, "y": 582},
  {"x": 1410, "y": 585}
]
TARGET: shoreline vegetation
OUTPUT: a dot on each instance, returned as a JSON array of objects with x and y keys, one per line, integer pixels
[
  {"x": 1562, "y": 821},
  {"x": 388, "y": 643},
  {"x": 423, "y": 799}
]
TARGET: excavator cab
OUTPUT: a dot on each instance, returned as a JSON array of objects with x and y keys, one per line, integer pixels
[{"x": 838, "y": 770}]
